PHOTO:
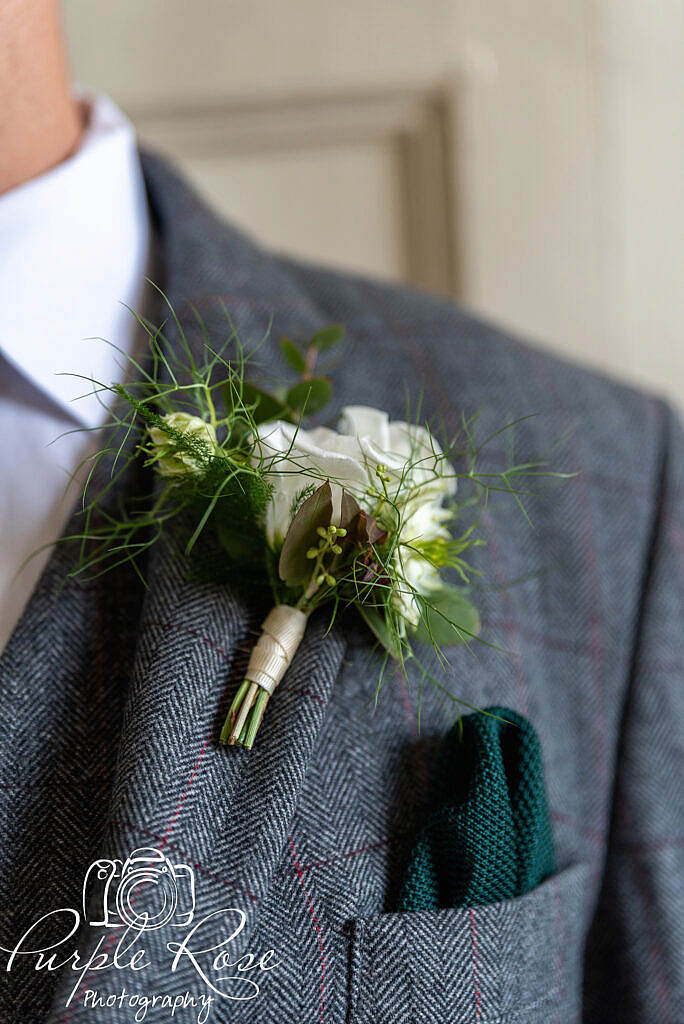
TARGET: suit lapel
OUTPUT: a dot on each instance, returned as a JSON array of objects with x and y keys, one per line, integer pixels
[
  {"x": 113, "y": 695},
  {"x": 226, "y": 811}
]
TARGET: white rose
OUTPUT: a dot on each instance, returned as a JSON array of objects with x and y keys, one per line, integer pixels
[
  {"x": 172, "y": 462},
  {"x": 294, "y": 459}
]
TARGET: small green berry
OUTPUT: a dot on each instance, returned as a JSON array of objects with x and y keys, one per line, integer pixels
[
  {"x": 341, "y": 532},
  {"x": 322, "y": 532},
  {"x": 336, "y": 549},
  {"x": 312, "y": 553},
  {"x": 330, "y": 580}
]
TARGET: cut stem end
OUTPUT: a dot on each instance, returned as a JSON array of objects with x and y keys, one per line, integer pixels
[{"x": 244, "y": 715}]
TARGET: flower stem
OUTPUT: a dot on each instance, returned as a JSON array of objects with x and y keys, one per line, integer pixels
[
  {"x": 281, "y": 634},
  {"x": 232, "y": 712},
  {"x": 254, "y": 720},
  {"x": 236, "y": 732},
  {"x": 245, "y": 715}
]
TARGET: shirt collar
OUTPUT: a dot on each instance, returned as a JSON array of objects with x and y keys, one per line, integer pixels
[{"x": 73, "y": 257}]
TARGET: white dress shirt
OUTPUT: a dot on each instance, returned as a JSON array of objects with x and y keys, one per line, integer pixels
[{"x": 74, "y": 246}]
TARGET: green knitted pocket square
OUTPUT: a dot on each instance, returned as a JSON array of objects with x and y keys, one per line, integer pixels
[{"x": 487, "y": 834}]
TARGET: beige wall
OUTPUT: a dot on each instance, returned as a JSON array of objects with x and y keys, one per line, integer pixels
[{"x": 526, "y": 155}]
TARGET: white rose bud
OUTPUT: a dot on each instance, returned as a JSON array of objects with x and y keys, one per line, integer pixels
[{"x": 169, "y": 460}]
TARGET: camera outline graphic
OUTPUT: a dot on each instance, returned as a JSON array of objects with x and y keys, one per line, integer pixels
[{"x": 110, "y": 887}]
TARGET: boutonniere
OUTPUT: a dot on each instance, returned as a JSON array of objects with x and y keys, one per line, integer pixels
[{"x": 365, "y": 516}]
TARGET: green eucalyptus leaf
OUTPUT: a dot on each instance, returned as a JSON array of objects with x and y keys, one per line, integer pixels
[
  {"x": 294, "y": 567},
  {"x": 377, "y": 624},
  {"x": 310, "y": 395},
  {"x": 449, "y": 609},
  {"x": 362, "y": 532},
  {"x": 293, "y": 355},
  {"x": 264, "y": 405},
  {"x": 327, "y": 337},
  {"x": 367, "y": 530},
  {"x": 349, "y": 509}
]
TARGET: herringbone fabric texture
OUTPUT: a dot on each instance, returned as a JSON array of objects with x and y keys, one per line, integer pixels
[
  {"x": 112, "y": 696},
  {"x": 487, "y": 835}
]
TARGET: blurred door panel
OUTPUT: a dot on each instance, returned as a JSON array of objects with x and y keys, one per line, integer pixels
[
  {"x": 357, "y": 181},
  {"x": 525, "y": 158}
]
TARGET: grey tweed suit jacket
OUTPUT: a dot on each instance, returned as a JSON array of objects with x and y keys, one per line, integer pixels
[{"x": 112, "y": 697}]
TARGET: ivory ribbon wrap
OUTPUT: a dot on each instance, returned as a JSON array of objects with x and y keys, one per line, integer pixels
[{"x": 281, "y": 634}]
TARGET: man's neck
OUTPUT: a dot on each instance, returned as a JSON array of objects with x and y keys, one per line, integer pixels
[{"x": 40, "y": 122}]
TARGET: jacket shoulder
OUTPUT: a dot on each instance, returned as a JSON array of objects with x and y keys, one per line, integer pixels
[
  {"x": 473, "y": 361},
  {"x": 400, "y": 337}
]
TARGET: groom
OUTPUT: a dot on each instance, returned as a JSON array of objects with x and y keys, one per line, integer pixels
[{"x": 111, "y": 693}]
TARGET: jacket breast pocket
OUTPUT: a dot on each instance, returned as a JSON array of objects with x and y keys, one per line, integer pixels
[{"x": 516, "y": 962}]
